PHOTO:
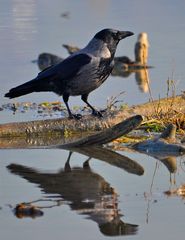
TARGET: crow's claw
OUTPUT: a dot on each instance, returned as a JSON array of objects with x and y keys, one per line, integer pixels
[
  {"x": 75, "y": 116},
  {"x": 97, "y": 114}
]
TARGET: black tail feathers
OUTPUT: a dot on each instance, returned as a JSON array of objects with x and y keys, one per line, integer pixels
[
  {"x": 17, "y": 92},
  {"x": 26, "y": 88}
]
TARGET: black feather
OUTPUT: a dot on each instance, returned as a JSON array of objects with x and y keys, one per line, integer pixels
[{"x": 53, "y": 78}]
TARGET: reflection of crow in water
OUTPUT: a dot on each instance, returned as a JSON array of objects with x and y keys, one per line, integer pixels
[{"x": 85, "y": 191}]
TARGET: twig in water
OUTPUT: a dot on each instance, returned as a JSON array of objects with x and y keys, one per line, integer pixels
[{"x": 150, "y": 199}]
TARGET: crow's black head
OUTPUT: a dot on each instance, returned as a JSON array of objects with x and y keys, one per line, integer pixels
[
  {"x": 111, "y": 37},
  {"x": 108, "y": 35}
]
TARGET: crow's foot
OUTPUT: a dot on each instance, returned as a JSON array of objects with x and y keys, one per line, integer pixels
[
  {"x": 75, "y": 116},
  {"x": 97, "y": 114}
]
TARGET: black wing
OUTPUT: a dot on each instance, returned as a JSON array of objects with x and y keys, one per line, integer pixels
[
  {"x": 66, "y": 69},
  {"x": 53, "y": 78}
]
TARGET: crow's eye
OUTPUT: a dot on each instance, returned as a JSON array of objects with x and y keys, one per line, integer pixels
[
  {"x": 114, "y": 35},
  {"x": 117, "y": 34}
]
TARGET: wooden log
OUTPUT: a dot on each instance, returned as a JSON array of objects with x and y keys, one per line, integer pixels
[
  {"x": 36, "y": 141},
  {"x": 109, "y": 134},
  {"x": 63, "y": 126},
  {"x": 173, "y": 107}
]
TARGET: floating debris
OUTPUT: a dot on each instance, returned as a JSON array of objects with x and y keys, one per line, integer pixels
[
  {"x": 65, "y": 14},
  {"x": 43, "y": 109},
  {"x": 23, "y": 210},
  {"x": 180, "y": 191}
]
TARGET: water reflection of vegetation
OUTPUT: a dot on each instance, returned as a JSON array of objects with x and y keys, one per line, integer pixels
[{"x": 85, "y": 191}]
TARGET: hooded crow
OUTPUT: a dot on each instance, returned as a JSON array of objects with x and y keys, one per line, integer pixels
[{"x": 80, "y": 73}]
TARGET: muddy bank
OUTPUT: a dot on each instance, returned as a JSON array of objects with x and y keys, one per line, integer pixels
[{"x": 159, "y": 108}]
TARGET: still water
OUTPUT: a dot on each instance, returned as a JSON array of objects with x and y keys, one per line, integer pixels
[{"x": 100, "y": 200}]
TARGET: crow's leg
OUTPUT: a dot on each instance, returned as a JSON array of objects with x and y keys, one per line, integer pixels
[
  {"x": 71, "y": 116},
  {"x": 67, "y": 167},
  {"x": 94, "y": 111},
  {"x": 86, "y": 164}
]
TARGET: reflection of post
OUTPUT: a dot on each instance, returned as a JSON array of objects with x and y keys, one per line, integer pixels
[
  {"x": 142, "y": 80},
  {"x": 141, "y": 48}
]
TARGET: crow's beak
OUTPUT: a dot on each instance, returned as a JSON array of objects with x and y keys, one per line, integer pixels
[{"x": 124, "y": 34}]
